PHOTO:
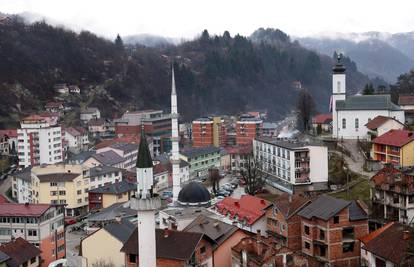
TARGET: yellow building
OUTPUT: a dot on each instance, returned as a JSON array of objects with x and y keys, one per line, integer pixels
[
  {"x": 61, "y": 184},
  {"x": 105, "y": 196},
  {"x": 395, "y": 147},
  {"x": 109, "y": 239}
]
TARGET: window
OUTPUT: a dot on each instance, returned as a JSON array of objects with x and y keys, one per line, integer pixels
[
  {"x": 306, "y": 230},
  {"x": 33, "y": 260},
  {"x": 348, "y": 233},
  {"x": 338, "y": 86},
  {"x": 356, "y": 123},
  {"x": 348, "y": 247},
  {"x": 307, "y": 245},
  {"x": 79, "y": 200},
  {"x": 132, "y": 258},
  {"x": 343, "y": 123},
  {"x": 62, "y": 193},
  {"x": 32, "y": 232},
  {"x": 321, "y": 234},
  {"x": 79, "y": 192},
  {"x": 336, "y": 219},
  {"x": 53, "y": 184},
  {"x": 203, "y": 250},
  {"x": 322, "y": 250}
]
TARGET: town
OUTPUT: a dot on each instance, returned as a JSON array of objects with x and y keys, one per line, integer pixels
[{"x": 97, "y": 175}]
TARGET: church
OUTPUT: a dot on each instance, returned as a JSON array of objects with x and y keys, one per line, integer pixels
[{"x": 350, "y": 114}]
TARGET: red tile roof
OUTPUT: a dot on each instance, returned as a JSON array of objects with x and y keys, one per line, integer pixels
[
  {"x": 34, "y": 118},
  {"x": 9, "y": 132},
  {"x": 160, "y": 168},
  {"x": 393, "y": 179},
  {"x": 239, "y": 150},
  {"x": 397, "y": 138},
  {"x": 30, "y": 210},
  {"x": 366, "y": 239},
  {"x": 133, "y": 139},
  {"x": 127, "y": 129},
  {"x": 247, "y": 208},
  {"x": 3, "y": 199},
  {"x": 406, "y": 100},
  {"x": 289, "y": 205},
  {"x": 378, "y": 121},
  {"x": 322, "y": 118}
]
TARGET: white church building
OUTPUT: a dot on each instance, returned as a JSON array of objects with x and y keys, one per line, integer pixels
[{"x": 351, "y": 113}]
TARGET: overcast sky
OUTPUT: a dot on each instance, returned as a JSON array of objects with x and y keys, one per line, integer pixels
[{"x": 187, "y": 18}]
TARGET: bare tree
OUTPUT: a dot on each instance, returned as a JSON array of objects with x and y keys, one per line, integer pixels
[
  {"x": 253, "y": 176},
  {"x": 103, "y": 263},
  {"x": 214, "y": 177},
  {"x": 305, "y": 108}
]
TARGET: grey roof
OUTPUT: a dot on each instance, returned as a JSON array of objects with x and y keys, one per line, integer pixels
[
  {"x": 24, "y": 174},
  {"x": 100, "y": 170},
  {"x": 115, "y": 188},
  {"x": 356, "y": 212},
  {"x": 289, "y": 144},
  {"x": 126, "y": 147},
  {"x": 120, "y": 230},
  {"x": 367, "y": 102},
  {"x": 81, "y": 157},
  {"x": 108, "y": 158},
  {"x": 324, "y": 207},
  {"x": 196, "y": 152},
  {"x": 58, "y": 177},
  {"x": 269, "y": 125},
  {"x": 3, "y": 257},
  {"x": 112, "y": 212}
]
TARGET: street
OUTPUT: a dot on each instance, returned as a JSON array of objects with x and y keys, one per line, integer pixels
[{"x": 72, "y": 246}]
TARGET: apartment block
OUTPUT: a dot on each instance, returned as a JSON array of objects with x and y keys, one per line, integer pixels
[
  {"x": 247, "y": 128},
  {"x": 291, "y": 165},
  {"x": 201, "y": 160},
  {"x": 39, "y": 142},
  {"x": 208, "y": 131},
  {"x": 40, "y": 224}
]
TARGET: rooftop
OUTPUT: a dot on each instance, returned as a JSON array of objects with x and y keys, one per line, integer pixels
[
  {"x": 393, "y": 179},
  {"x": 196, "y": 152},
  {"x": 397, "y": 138},
  {"x": 378, "y": 121},
  {"x": 24, "y": 174},
  {"x": 100, "y": 170},
  {"x": 120, "y": 230},
  {"x": 322, "y": 118},
  {"x": 289, "y": 205},
  {"x": 19, "y": 252},
  {"x": 288, "y": 144},
  {"x": 24, "y": 210},
  {"x": 108, "y": 158},
  {"x": 170, "y": 244},
  {"x": 367, "y": 102},
  {"x": 115, "y": 188},
  {"x": 406, "y": 100},
  {"x": 9, "y": 132},
  {"x": 89, "y": 110},
  {"x": 57, "y": 177},
  {"x": 249, "y": 208},
  {"x": 112, "y": 212},
  {"x": 125, "y": 147}
]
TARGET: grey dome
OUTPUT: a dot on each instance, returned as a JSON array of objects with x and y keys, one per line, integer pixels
[{"x": 194, "y": 194}]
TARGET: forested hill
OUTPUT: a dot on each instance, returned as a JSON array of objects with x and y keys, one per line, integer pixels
[{"x": 215, "y": 74}]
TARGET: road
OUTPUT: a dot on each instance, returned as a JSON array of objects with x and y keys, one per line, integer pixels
[
  {"x": 356, "y": 161},
  {"x": 237, "y": 193},
  {"x": 72, "y": 247}
]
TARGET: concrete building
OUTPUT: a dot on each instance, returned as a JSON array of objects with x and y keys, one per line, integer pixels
[
  {"x": 406, "y": 102},
  {"x": 102, "y": 175},
  {"x": 127, "y": 151},
  {"x": 8, "y": 141},
  {"x": 89, "y": 113},
  {"x": 38, "y": 142},
  {"x": 201, "y": 160},
  {"x": 109, "y": 239},
  {"x": 350, "y": 114},
  {"x": 269, "y": 129},
  {"x": 107, "y": 195},
  {"x": 247, "y": 213},
  {"x": 323, "y": 122},
  {"x": 239, "y": 157},
  {"x": 395, "y": 147},
  {"x": 391, "y": 194},
  {"x": 247, "y": 128},
  {"x": 77, "y": 139},
  {"x": 331, "y": 230},
  {"x": 42, "y": 225},
  {"x": 22, "y": 186},
  {"x": 107, "y": 158},
  {"x": 283, "y": 221},
  {"x": 292, "y": 165},
  {"x": 19, "y": 252},
  {"x": 208, "y": 131}
]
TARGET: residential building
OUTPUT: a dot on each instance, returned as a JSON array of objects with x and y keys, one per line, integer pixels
[
  {"x": 22, "y": 185},
  {"x": 283, "y": 221},
  {"x": 291, "y": 165},
  {"x": 248, "y": 212},
  {"x": 247, "y": 128},
  {"x": 111, "y": 214},
  {"x": 225, "y": 236},
  {"x": 8, "y": 141},
  {"x": 54, "y": 106},
  {"x": 395, "y": 147},
  {"x": 208, "y": 131},
  {"x": 40, "y": 224},
  {"x": 331, "y": 229},
  {"x": 18, "y": 252},
  {"x": 98, "y": 127},
  {"x": 173, "y": 248},
  {"x": 269, "y": 129},
  {"x": 38, "y": 142},
  {"x": 381, "y": 124},
  {"x": 127, "y": 151},
  {"x": 61, "y": 88},
  {"x": 102, "y": 175},
  {"x": 180, "y": 217},
  {"x": 239, "y": 157},
  {"x": 184, "y": 168},
  {"x": 225, "y": 160},
  {"x": 107, "y": 195},
  {"x": 74, "y": 89},
  {"x": 406, "y": 102},
  {"x": 161, "y": 177},
  {"x": 387, "y": 246},
  {"x": 322, "y": 122},
  {"x": 351, "y": 113},
  {"x": 77, "y": 139},
  {"x": 89, "y": 113},
  {"x": 109, "y": 239},
  {"x": 107, "y": 158},
  {"x": 392, "y": 194},
  {"x": 201, "y": 160}
]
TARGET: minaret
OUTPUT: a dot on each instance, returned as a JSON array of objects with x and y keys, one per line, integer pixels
[
  {"x": 147, "y": 204},
  {"x": 338, "y": 92},
  {"x": 175, "y": 158}
]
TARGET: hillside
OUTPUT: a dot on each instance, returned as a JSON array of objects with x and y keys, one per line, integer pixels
[
  {"x": 377, "y": 55},
  {"x": 215, "y": 74}
]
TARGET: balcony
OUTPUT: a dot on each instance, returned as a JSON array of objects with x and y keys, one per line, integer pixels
[{"x": 302, "y": 159}]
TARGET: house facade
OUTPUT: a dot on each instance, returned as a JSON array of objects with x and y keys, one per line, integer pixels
[
  {"x": 248, "y": 127},
  {"x": 200, "y": 160},
  {"x": 208, "y": 131}
]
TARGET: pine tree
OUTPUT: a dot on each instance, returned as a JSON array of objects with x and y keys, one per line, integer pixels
[
  {"x": 368, "y": 89},
  {"x": 119, "y": 43}
]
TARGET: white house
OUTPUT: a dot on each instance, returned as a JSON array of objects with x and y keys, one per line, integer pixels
[
  {"x": 102, "y": 175},
  {"x": 90, "y": 114},
  {"x": 77, "y": 139},
  {"x": 381, "y": 124},
  {"x": 127, "y": 151},
  {"x": 22, "y": 186},
  {"x": 291, "y": 165},
  {"x": 351, "y": 113}
]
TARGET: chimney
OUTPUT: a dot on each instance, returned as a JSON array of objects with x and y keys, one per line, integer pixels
[
  {"x": 166, "y": 232},
  {"x": 406, "y": 235}
]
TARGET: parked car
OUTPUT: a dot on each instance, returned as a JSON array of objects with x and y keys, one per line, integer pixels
[
  {"x": 223, "y": 193},
  {"x": 166, "y": 194}
]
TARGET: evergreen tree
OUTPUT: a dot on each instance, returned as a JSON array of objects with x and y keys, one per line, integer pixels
[
  {"x": 368, "y": 89},
  {"x": 305, "y": 108},
  {"x": 119, "y": 43}
]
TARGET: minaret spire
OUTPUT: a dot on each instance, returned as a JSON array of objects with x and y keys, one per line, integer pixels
[
  {"x": 175, "y": 158},
  {"x": 146, "y": 203}
]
